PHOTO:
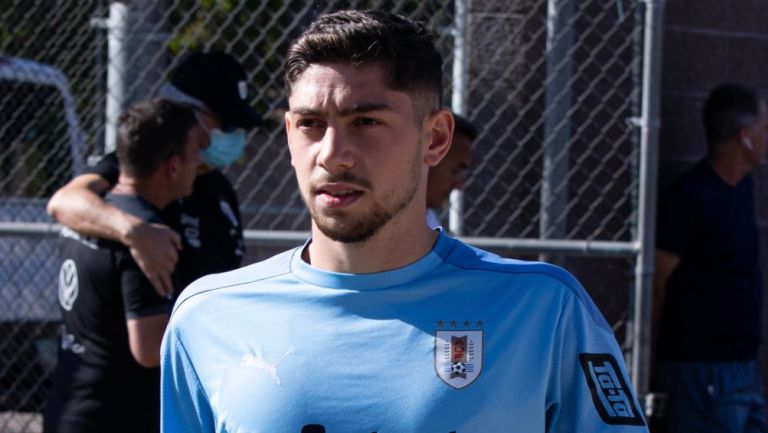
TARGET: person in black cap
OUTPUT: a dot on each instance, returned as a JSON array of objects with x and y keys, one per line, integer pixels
[{"x": 204, "y": 232}]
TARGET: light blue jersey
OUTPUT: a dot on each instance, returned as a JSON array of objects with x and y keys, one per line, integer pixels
[{"x": 460, "y": 341}]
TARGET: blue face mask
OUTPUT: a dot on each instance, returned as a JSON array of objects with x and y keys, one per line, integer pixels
[{"x": 225, "y": 148}]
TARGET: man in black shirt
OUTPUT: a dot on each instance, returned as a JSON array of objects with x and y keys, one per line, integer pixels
[
  {"x": 708, "y": 281},
  {"x": 206, "y": 234},
  {"x": 113, "y": 320}
]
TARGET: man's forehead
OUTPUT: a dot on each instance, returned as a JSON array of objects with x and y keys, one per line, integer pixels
[
  {"x": 345, "y": 110},
  {"x": 345, "y": 88},
  {"x": 342, "y": 75}
]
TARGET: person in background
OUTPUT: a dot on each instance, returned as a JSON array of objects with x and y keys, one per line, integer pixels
[
  {"x": 708, "y": 284},
  {"x": 452, "y": 171},
  {"x": 378, "y": 323},
  {"x": 205, "y": 226},
  {"x": 107, "y": 378}
]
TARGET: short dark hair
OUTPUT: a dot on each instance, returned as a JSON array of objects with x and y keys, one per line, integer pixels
[
  {"x": 151, "y": 132},
  {"x": 405, "y": 48},
  {"x": 729, "y": 107},
  {"x": 464, "y": 127}
]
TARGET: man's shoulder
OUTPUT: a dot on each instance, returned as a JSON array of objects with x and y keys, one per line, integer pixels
[
  {"x": 135, "y": 205},
  {"x": 538, "y": 277},
  {"x": 89, "y": 253},
  {"x": 212, "y": 183},
  {"x": 467, "y": 257},
  {"x": 254, "y": 273},
  {"x": 210, "y": 191},
  {"x": 108, "y": 167},
  {"x": 697, "y": 182}
]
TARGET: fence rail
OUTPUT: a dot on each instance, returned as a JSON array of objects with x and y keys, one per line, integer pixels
[{"x": 290, "y": 238}]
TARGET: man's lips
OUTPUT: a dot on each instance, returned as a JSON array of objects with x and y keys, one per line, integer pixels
[{"x": 336, "y": 194}]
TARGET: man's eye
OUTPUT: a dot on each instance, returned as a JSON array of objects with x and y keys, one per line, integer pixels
[
  {"x": 367, "y": 121},
  {"x": 307, "y": 123}
]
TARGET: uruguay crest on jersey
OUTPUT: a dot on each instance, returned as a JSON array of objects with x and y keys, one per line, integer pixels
[{"x": 458, "y": 353}]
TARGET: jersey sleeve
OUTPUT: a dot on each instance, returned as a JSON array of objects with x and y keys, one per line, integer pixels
[
  {"x": 185, "y": 407},
  {"x": 107, "y": 167},
  {"x": 588, "y": 384},
  {"x": 139, "y": 297}
]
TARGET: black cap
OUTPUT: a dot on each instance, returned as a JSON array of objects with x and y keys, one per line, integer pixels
[{"x": 218, "y": 80}]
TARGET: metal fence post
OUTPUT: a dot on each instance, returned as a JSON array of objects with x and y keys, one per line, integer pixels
[
  {"x": 649, "y": 123},
  {"x": 116, "y": 63},
  {"x": 136, "y": 62},
  {"x": 458, "y": 101},
  {"x": 557, "y": 124}
]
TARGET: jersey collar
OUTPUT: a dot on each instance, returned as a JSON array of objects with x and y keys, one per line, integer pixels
[{"x": 374, "y": 281}]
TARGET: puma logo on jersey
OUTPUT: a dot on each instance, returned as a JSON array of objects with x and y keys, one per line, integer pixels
[{"x": 251, "y": 360}]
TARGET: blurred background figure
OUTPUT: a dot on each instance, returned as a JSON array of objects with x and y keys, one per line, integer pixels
[
  {"x": 206, "y": 226},
  {"x": 452, "y": 171},
  {"x": 708, "y": 284},
  {"x": 113, "y": 320}
]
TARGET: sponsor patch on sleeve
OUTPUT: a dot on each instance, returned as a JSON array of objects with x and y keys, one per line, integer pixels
[{"x": 613, "y": 399}]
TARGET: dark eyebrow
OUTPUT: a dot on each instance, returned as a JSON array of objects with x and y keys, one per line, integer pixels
[
  {"x": 365, "y": 107},
  {"x": 305, "y": 111}
]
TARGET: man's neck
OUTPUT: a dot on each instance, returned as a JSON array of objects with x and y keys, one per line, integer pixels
[
  {"x": 729, "y": 166},
  {"x": 146, "y": 189},
  {"x": 395, "y": 245}
]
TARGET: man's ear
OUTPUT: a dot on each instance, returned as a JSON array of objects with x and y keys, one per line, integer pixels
[
  {"x": 438, "y": 134},
  {"x": 744, "y": 132},
  {"x": 173, "y": 167}
]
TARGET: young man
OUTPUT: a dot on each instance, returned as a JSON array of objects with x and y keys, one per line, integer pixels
[
  {"x": 708, "y": 281},
  {"x": 452, "y": 170},
  {"x": 379, "y": 324},
  {"x": 206, "y": 226},
  {"x": 107, "y": 377}
]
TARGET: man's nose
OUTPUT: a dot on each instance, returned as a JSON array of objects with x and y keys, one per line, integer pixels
[{"x": 336, "y": 153}]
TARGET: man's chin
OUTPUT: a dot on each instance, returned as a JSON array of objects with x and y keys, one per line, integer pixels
[
  {"x": 347, "y": 235},
  {"x": 350, "y": 230}
]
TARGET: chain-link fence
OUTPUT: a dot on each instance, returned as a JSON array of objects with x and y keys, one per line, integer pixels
[{"x": 553, "y": 86}]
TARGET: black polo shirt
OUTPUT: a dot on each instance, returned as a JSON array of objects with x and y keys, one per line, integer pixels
[
  {"x": 208, "y": 221},
  {"x": 98, "y": 386},
  {"x": 714, "y": 297}
]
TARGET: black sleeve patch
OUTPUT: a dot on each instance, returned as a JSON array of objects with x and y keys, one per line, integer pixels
[{"x": 613, "y": 399}]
